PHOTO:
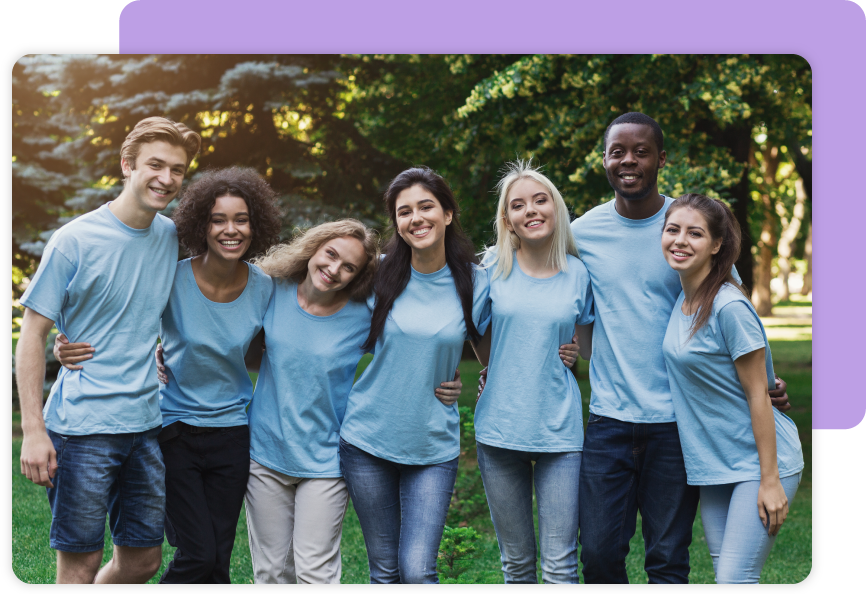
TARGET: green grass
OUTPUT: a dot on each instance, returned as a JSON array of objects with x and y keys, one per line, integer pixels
[{"x": 790, "y": 561}]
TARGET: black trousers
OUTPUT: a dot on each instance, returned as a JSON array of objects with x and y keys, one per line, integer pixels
[{"x": 205, "y": 481}]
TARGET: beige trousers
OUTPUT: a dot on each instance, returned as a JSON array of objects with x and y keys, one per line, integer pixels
[{"x": 295, "y": 525}]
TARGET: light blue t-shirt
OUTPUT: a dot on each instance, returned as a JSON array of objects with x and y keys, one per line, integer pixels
[
  {"x": 712, "y": 410},
  {"x": 305, "y": 379},
  {"x": 393, "y": 412},
  {"x": 106, "y": 284},
  {"x": 635, "y": 290},
  {"x": 205, "y": 343},
  {"x": 531, "y": 401}
]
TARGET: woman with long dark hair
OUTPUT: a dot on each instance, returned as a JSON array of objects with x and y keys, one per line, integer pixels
[
  {"x": 399, "y": 444},
  {"x": 736, "y": 446}
]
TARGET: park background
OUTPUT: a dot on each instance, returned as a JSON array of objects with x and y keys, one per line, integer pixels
[{"x": 330, "y": 131}]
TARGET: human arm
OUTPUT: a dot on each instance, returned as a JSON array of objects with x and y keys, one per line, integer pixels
[
  {"x": 584, "y": 340},
  {"x": 449, "y": 392},
  {"x": 71, "y": 353},
  {"x": 253, "y": 358},
  {"x": 779, "y": 395},
  {"x": 772, "y": 501},
  {"x": 38, "y": 457}
]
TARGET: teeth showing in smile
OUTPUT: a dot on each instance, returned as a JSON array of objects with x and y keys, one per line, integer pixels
[
  {"x": 533, "y": 223},
  {"x": 420, "y": 232},
  {"x": 231, "y": 243},
  {"x": 326, "y": 277},
  {"x": 681, "y": 254},
  {"x": 629, "y": 177},
  {"x": 160, "y": 192}
]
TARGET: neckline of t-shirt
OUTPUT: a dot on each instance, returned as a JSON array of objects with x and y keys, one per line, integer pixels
[
  {"x": 314, "y": 316},
  {"x": 534, "y": 279},
  {"x": 640, "y": 222},
  {"x": 121, "y": 226},
  {"x": 429, "y": 275},
  {"x": 191, "y": 276}
]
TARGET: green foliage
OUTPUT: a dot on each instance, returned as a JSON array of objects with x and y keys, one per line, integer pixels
[
  {"x": 469, "y": 500},
  {"x": 458, "y": 549}
]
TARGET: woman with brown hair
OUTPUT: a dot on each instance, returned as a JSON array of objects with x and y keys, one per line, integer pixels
[{"x": 736, "y": 446}]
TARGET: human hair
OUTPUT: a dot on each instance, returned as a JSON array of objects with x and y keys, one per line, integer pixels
[
  {"x": 636, "y": 117},
  {"x": 507, "y": 241},
  {"x": 395, "y": 269},
  {"x": 157, "y": 128},
  {"x": 290, "y": 260},
  {"x": 721, "y": 225},
  {"x": 192, "y": 215}
]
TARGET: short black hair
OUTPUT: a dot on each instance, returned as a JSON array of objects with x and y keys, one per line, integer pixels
[{"x": 636, "y": 117}]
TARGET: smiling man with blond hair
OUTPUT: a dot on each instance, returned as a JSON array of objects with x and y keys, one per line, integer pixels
[{"x": 104, "y": 279}]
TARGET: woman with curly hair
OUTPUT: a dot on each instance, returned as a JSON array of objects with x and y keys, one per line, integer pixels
[
  {"x": 315, "y": 324},
  {"x": 215, "y": 310}
]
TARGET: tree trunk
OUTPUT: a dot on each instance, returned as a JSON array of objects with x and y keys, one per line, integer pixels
[
  {"x": 807, "y": 278},
  {"x": 790, "y": 229},
  {"x": 761, "y": 296},
  {"x": 739, "y": 141}
]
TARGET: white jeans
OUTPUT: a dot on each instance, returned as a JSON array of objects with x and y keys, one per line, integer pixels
[{"x": 295, "y": 525}]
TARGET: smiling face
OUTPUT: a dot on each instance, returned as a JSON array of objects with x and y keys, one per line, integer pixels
[
  {"x": 686, "y": 241},
  {"x": 421, "y": 220},
  {"x": 530, "y": 211},
  {"x": 157, "y": 176},
  {"x": 229, "y": 233},
  {"x": 632, "y": 161},
  {"x": 335, "y": 264}
]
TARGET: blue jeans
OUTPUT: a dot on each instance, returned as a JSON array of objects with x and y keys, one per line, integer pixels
[
  {"x": 402, "y": 511},
  {"x": 626, "y": 468},
  {"x": 508, "y": 476},
  {"x": 121, "y": 475},
  {"x": 738, "y": 541}
]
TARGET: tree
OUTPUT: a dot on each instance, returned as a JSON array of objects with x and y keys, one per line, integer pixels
[
  {"x": 556, "y": 108},
  {"x": 282, "y": 115}
]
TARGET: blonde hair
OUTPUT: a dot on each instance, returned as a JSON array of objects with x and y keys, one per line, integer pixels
[
  {"x": 158, "y": 128},
  {"x": 507, "y": 240},
  {"x": 290, "y": 260}
]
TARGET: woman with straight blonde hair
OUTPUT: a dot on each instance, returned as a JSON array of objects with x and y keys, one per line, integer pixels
[
  {"x": 314, "y": 327},
  {"x": 528, "y": 421}
]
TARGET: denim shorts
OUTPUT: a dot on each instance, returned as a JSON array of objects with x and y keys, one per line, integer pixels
[{"x": 120, "y": 475}]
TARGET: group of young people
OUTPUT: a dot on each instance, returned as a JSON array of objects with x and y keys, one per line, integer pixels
[{"x": 642, "y": 286}]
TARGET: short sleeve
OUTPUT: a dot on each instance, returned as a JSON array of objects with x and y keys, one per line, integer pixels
[
  {"x": 741, "y": 329},
  {"x": 47, "y": 292},
  {"x": 586, "y": 315},
  {"x": 481, "y": 306}
]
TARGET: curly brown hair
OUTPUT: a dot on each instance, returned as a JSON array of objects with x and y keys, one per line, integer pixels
[{"x": 192, "y": 216}]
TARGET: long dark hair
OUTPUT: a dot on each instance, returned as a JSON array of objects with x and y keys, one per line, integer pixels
[
  {"x": 396, "y": 268},
  {"x": 721, "y": 224}
]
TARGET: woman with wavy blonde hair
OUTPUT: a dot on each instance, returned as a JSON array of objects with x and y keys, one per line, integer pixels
[{"x": 314, "y": 327}]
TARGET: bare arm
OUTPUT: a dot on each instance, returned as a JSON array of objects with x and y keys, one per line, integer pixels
[
  {"x": 70, "y": 354},
  {"x": 253, "y": 358},
  {"x": 482, "y": 348},
  {"x": 38, "y": 457},
  {"x": 584, "y": 340},
  {"x": 772, "y": 501}
]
